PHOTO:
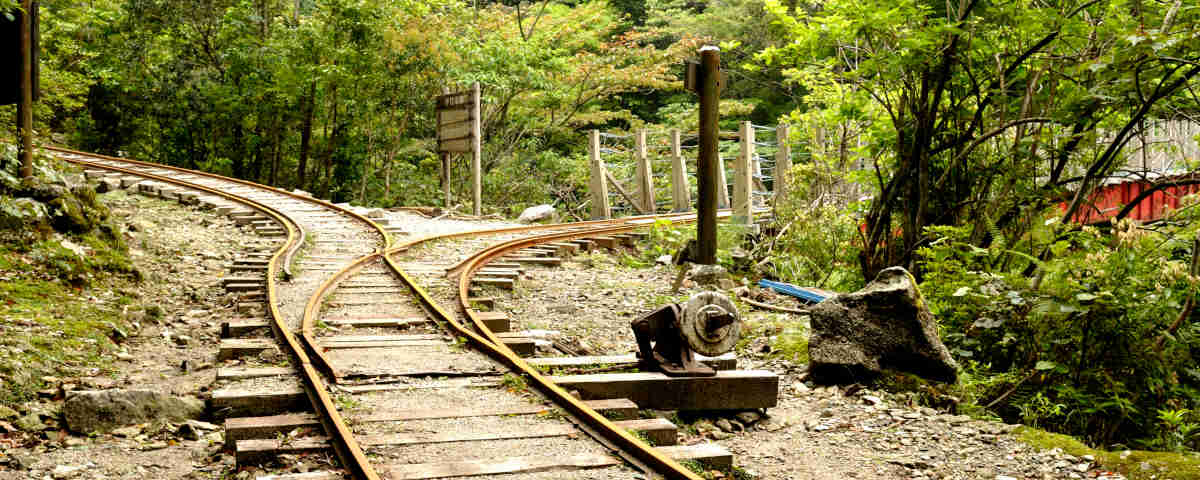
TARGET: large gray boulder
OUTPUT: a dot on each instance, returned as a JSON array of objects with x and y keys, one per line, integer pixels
[
  {"x": 103, "y": 410},
  {"x": 537, "y": 214},
  {"x": 885, "y": 325}
]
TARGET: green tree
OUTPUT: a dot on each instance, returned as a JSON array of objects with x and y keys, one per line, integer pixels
[{"x": 983, "y": 113}]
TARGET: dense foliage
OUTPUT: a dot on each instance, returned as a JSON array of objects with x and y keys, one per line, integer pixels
[{"x": 958, "y": 139}]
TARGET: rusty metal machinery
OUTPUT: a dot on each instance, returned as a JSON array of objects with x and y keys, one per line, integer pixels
[{"x": 669, "y": 338}]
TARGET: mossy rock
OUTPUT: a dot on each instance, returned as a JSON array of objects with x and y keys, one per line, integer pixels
[{"x": 18, "y": 213}]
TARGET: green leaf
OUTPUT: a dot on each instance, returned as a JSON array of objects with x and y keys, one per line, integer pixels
[
  {"x": 1085, "y": 297},
  {"x": 1043, "y": 365}
]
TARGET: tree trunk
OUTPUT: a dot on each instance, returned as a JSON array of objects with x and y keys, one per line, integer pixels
[{"x": 306, "y": 127}]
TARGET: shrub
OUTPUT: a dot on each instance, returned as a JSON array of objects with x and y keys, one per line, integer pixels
[{"x": 1084, "y": 339}]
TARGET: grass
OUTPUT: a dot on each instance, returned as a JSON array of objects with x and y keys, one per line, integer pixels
[
  {"x": 514, "y": 383},
  {"x": 790, "y": 338},
  {"x": 1176, "y": 466}
]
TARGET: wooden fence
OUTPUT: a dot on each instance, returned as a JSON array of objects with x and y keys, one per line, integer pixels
[{"x": 643, "y": 166}]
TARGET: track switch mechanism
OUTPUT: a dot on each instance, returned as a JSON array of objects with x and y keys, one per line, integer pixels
[{"x": 669, "y": 338}]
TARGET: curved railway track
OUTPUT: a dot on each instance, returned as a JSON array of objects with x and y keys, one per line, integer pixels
[{"x": 401, "y": 394}]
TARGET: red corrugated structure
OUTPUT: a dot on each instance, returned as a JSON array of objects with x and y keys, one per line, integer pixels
[{"x": 1111, "y": 198}]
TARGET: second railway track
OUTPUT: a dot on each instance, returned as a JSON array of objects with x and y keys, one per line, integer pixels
[{"x": 419, "y": 379}]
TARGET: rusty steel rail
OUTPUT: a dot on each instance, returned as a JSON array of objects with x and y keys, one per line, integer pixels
[
  {"x": 631, "y": 448},
  {"x": 347, "y": 448}
]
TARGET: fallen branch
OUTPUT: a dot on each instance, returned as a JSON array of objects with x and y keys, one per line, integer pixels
[{"x": 767, "y": 306}]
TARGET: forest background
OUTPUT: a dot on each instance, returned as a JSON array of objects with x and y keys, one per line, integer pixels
[{"x": 959, "y": 139}]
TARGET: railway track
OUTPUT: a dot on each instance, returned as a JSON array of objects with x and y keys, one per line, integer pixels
[{"x": 391, "y": 357}]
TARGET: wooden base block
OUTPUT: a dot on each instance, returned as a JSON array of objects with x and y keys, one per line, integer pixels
[{"x": 728, "y": 390}]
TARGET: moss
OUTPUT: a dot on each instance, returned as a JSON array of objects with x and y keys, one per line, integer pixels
[
  {"x": 51, "y": 329},
  {"x": 1177, "y": 466}
]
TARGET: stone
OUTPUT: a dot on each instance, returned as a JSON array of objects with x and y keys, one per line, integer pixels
[
  {"x": 663, "y": 260},
  {"x": 188, "y": 432},
  {"x": 376, "y": 213},
  {"x": 87, "y": 411},
  {"x": 30, "y": 423},
  {"x": 871, "y": 400},
  {"x": 709, "y": 274},
  {"x": 538, "y": 213},
  {"x": 66, "y": 471},
  {"x": 105, "y": 185},
  {"x": 748, "y": 418},
  {"x": 724, "y": 424},
  {"x": 885, "y": 325},
  {"x": 181, "y": 340}
]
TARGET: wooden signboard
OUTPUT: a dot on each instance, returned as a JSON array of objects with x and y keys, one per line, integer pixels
[
  {"x": 458, "y": 131},
  {"x": 456, "y": 122}
]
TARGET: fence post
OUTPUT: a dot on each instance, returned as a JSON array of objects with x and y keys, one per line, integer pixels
[
  {"x": 600, "y": 208},
  {"x": 722, "y": 184},
  {"x": 446, "y": 164},
  {"x": 783, "y": 163},
  {"x": 743, "y": 185},
  {"x": 645, "y": 178},
  {"x": 476, "y": 151},
  {"x": 681, "y": 192}
]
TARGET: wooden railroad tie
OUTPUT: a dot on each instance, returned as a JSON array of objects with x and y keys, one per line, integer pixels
[
  {"x": 257, "y": 451},
  {"x": 231, "y": 348},
  {"x": 728, "y": 390},
  {"x": 233, "y": 402},
  {"x": 547, "y": 261},
  {"x": 497, "y": 322},
  {"x": 242, "y": 326},
  {"x": 503, "y": 283},
  {"x": 243, "y": 428},
  {"x": 709, "y": 454},
  {"x": 375, "y": 322}
]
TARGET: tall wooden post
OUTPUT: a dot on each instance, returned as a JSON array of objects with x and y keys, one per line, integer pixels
[
  {"x": 446, "y": 163},
  {"x": 25, "y": 106},
  {"x": 645, "y": 174},
  {"x": 476, "y": 151},
  {"x": 707, "y": 164},
  {"x": 681, "y": 194},
  {"x": 743, "y": 185},
  {"x": 783, "y": 163},
  {"x": 599, "y": 187}
]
